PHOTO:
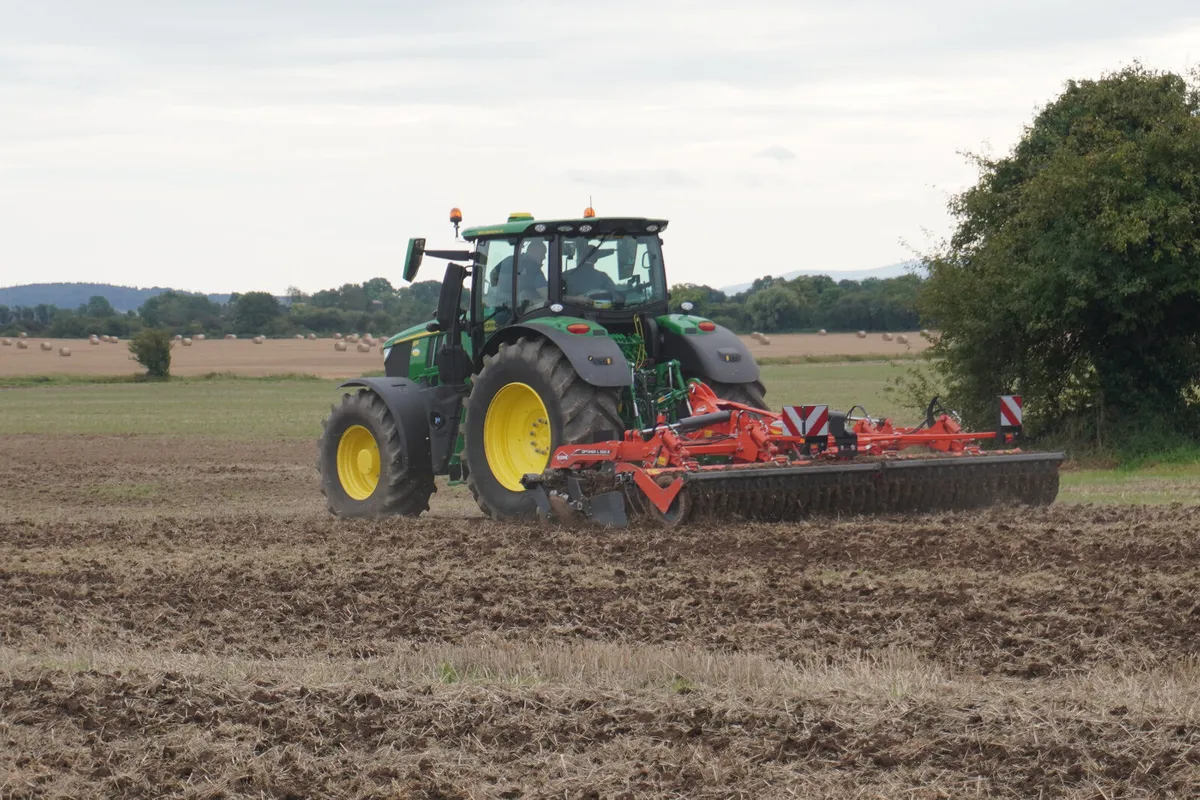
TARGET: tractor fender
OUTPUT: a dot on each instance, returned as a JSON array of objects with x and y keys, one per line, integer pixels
[
  {"x": 718, "y": 354},
  {"x": 597, "y": 358},
  {"x": 408, "y": 403}
]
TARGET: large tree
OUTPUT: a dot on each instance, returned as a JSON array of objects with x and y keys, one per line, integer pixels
[
  {"x": 256, "y": 312},
  {"x": 1074, "y": 274}
]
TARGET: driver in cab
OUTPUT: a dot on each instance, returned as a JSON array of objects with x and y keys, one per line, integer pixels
[
  {"x": 531, "y": 280},
  {"x": 585, "y": 280}
]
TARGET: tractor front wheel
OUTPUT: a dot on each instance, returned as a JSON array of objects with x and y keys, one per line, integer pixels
[
  {"x": 526, "y": 402},
  {"x": 365, "y": 471}
]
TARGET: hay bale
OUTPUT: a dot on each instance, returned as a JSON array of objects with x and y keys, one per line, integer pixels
[
  {"x": 764, "y": 339},
  {"x": 902, "y": 339},
  {"x": 179, "y": 337},
  {"x": 337, "y": 336},
  {"x": 299, "y": 336},
  {"x": 6, "y": 342},
  {"x": 887, "y": 337},
  {"x": 339, "y": 346},
  {"x": 22, "y": 344},
  {"x": 94, "y": 340},
  {"x": 352, "y": 338},
  {"x": 822, "y": 332},
  {"x": 363, "y": 347},
  {"x": 186, "y": 342},
  {"x": 861, "y": 334},
  {"x": 22, "y": 335},
  {"x": 199, "y": 337},
  {"x": 259, "y": 339},
  {"x": 47, "y": 346},
  {"x": 114, "y": 339},
  {"x": 64, "y": 351},
  {"x": 312, "y": 337}
]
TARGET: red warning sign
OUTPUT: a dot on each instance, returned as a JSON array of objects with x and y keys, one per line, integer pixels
[
  {"x": 1010, "y": 411},
  {"x": 806, "y": 420}
]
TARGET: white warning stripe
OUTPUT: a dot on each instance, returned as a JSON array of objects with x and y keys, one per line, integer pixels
[
  {"x": 816, "y": 420},
  {"x": 1010, "y": 410},
  {"x": 792, "y": 421}
]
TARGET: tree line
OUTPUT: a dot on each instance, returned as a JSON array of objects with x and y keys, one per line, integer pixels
[
  {"x": 809, "y": 303},
  {"x": 770, "y": 305}
]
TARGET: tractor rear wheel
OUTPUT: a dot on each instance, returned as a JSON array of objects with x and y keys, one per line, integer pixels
[
  {"x": 748, "y": 394},
  {"x": 365, "y": 471},
  {"x": 526, "y": 402}
]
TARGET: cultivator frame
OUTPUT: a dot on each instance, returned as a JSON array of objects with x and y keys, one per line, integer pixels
[{"x": 729, "y": 460}]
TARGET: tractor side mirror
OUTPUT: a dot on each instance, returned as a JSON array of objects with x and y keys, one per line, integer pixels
[
  {"x": 412, "y": 259},
  {"x": 448, "y": 300}
]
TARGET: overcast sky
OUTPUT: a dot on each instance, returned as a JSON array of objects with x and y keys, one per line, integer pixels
[{"x": 215, "y": 145}]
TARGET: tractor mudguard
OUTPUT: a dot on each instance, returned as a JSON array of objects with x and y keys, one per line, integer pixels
[
  {"x": 718, "y": 355},
  {"x": 596, "y": 357},
  {"x": 408, "y": 403}
]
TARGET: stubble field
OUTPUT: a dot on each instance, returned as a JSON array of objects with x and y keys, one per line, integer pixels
[
  {"x": 317, "y": 357},
  {"x": 182, "y": 618}
]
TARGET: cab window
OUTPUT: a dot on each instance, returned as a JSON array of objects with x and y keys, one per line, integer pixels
[
  {"x": 613, "y": 271},
  {"x": 532, "y": 268},
  {"x": 496, "y": 284}
]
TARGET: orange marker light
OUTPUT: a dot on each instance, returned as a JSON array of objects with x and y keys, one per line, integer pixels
[
  {"x": 707, "y": 326},
  {"x": 455, "y": 215},
  {"x": 578, "y": 327},
  {"x": 589, "y": 212}
]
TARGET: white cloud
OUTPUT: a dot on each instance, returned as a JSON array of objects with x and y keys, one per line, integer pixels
[{"x": 228, "y": 146}]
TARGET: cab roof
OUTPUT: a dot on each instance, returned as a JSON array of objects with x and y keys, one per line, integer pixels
[{"x": 584, "y": 226}]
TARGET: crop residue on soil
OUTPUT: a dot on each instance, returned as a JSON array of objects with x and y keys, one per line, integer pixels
[{"x": 188, "y": 621}]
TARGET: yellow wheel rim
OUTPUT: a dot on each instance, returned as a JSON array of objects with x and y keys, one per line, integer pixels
[
  {"x": 358, "y": 462},
  {"x": 516, "y": 435}
]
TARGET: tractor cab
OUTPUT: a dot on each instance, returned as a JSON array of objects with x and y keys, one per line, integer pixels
[
  {"x": 606, "y": 272},
  {"x": 602, "y": 269}
]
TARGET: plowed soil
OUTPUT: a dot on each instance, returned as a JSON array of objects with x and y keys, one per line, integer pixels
[{"x": 182, "y": 618}]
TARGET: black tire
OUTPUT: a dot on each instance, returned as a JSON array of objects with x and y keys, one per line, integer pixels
[
  {"x": 749, "y": 394},
  {"x": 402, "y": 489},
  {"x": 578, "y": 412}
]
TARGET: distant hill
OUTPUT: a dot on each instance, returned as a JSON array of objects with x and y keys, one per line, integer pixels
[
  {"x": 73, "y": 295},
  {"x": 890, "y": 271}
]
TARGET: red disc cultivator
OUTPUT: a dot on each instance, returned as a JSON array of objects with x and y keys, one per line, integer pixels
[{"x": 732, "y": 461}]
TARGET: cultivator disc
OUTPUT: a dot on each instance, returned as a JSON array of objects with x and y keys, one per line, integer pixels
[
  {"x": 918, "y": 485},
  {"x": 733, "y": 462},
  {"x": 771, "y": 493}
]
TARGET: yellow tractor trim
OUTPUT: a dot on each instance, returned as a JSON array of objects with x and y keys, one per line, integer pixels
[
  {"x": 358, "y": 462},
  {"x": 516, "y": 435}
]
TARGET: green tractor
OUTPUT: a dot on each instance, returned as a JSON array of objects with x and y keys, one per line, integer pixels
[{"x": 547, "y": 333}]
